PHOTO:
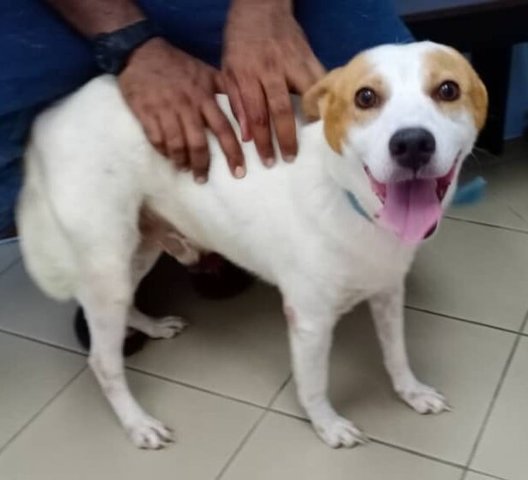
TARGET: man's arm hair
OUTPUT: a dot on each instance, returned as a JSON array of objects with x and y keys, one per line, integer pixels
[{"x": 91, "y": 17}]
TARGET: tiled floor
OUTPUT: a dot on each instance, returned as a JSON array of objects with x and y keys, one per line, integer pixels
[{"x": 225, "y": 383}]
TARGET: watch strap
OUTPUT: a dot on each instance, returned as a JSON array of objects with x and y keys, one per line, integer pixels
[{"x": 112, "y": 50}]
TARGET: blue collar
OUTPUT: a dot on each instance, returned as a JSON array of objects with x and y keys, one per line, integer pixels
[{"x": 356, "y": 205}]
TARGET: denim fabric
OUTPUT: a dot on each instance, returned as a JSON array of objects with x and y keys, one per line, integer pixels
[{"x": 43, "y": 58}]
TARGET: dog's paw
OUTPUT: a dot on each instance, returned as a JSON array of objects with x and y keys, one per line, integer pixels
[
  {"x": 167, "y": 327},
  {"x": 149, "y": 433},
  {"x": 424, "y": 399},
  {"x": 339, "y": 432}
]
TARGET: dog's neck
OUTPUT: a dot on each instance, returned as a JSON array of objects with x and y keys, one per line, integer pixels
[
  {"x": 336, "y": 194},
  {"x": 343, "y": 174}
]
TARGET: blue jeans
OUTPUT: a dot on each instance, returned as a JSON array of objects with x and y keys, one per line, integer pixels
[{"x": 43, "y": 59}]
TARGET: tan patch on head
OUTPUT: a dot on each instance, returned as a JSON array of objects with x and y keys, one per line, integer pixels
[
  {"x": 448, "y": 64},
  {"x": 332, "y": 99}
]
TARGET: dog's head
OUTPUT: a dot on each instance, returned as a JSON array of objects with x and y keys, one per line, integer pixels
[{"x": 409, "y": 114}]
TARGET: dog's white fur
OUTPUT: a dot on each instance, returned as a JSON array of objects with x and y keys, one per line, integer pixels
[{"x": 90, "y": 170}]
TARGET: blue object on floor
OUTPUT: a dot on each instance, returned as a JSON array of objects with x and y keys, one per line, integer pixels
[{"x": 470, "y": 193}]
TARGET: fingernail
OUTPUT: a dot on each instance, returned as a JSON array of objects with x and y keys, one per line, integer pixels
[
  {"x": 289, "y": 158},
  {"x": 201, "y": 179},
  {"x": 240, "y": 172},
  {"x": 269, "y": 162}
]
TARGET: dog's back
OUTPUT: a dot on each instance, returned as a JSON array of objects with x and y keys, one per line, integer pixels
[{"x": 89, "y": 167}]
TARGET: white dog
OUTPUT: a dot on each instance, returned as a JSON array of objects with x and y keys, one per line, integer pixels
[{"x": 338, "y": 226}]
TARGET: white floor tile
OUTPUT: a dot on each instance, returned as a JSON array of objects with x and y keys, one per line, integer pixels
[
  {"x": 77, "y": 437},
  {"x": 30, "y": 375},
  {"x": 237, "y": 347},
  {"x": 463, "y": 361},
  {"x": 285, "y": 448},
  {"x": 473, "y": 272},
  {"x": 27, "y": 311},
  {"x": 9, "y": 253},
  {"x": 504, "y": 446}
]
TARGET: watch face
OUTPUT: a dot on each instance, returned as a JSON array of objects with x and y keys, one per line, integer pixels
[
  {"x": 111, "y": 53},
  {"x": 107, "y": 62}
]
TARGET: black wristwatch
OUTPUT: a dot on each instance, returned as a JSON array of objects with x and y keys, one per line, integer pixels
[{"x": 113, "y": 49}]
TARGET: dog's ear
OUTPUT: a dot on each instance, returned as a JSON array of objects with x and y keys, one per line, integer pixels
[
  {"x": 479, "y": 97},
  {"x": 314, "y": 100}
]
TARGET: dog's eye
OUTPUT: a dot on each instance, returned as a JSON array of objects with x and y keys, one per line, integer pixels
[
  {"x": 366, "y": 98},
  {"x": 448, "y": 91}
]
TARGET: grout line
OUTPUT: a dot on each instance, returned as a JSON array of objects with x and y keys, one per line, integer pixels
[
  {"x": 139, "y": 370},
  {"x": 248, "y": 435},
  {"x": 384, "y": 443},
  {"x": 516, "y": 213},
  {"x": 495, "y": 395},
  {"x": 484, "y": 474},
  {"x": 43, "y": 342},
  {"x": 279, "y": 391},
  {"x": 241, "y": 445},
  {"x": 7, "y": 241},
  {"x": 195, "y": 387},
  {"x": 417, "y": 453},
  {"x": 485, "y": 224},
  {"x": 461, "y": 319},
  {"x": 10, "y": 265},
  {"x": 41, "y": 409},
  {"x": 268, "y": 408}
]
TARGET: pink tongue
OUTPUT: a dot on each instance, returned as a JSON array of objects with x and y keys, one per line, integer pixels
[{"x": 411, "y": 209}]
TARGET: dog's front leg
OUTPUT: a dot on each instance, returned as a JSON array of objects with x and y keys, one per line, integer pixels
[
  {"x": 388, "y": 312},
  {"x": 310, "y": 336}
]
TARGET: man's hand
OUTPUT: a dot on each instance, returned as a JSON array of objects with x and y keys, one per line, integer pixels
[
  {"x": 173, "y": 96},
  {"x": 266, "y": 55}
]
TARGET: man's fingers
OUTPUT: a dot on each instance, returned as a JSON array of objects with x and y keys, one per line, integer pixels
[
  {"x": 303, "y": 75},
  {"x": 281, "y": 111},
  {"x": 223, "y": 130},
  {"x": 300, "y": 78},
  {"x": 196, "y": 140},
  {"x": 255, "y": 106},
  {"x": 174, "y": 139},
  {"x": 237, "y": 106},
  {"x": 316, "y": 68},
  {"x": 152, "y": 129},
  {"x": 220, "y": 83}
]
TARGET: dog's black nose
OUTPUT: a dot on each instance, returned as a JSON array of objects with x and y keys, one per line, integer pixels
[{"x": 412, "y": 147}]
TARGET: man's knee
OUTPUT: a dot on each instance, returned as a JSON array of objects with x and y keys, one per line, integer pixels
[
  {"x": 42, "y": 57},
  {"x": 14, "y": 130},
  {"x": 339, "y": 29},
  {"x": 10, "y": 182}
]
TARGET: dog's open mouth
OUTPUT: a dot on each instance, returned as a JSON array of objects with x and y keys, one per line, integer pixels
[{"x": 412, "y": 208}]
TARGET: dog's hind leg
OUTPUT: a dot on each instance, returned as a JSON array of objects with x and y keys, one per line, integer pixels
[
  {"x": 387, "y": 310},
  {"x": 106, "y": 295},
  {"x": 166, "y": 327}
]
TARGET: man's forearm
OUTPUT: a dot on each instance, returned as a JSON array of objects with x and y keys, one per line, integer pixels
[
  {"x": 286, "y": 5},
  {"x": 91, "y": 17}
]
